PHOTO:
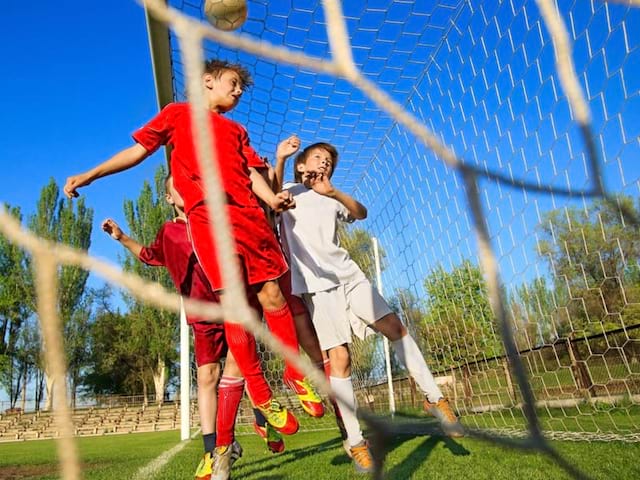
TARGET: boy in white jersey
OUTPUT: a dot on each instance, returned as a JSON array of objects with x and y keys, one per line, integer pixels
[{"x": 341, "y": 300}]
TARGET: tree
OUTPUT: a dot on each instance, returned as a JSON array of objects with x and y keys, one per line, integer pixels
[
  {"x": 459, "y": 325},
  {"x": 359, "y": 244},
  {"x": 114, "y": 365},
  {"x": 593, "y": 254},
  {"x": 536, "y": 317},
  {"x": 154, "y": 332},
  {"x": 16, "y": 305},
  {"x": 70, "y": 223}
]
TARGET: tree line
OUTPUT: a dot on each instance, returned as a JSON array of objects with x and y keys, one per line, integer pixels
[{"x": 128, "y": 351}]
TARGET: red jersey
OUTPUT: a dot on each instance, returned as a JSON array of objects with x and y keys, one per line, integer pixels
[
  {"x": 172, "y": 249},
  {"x": 172, "y": 126}
]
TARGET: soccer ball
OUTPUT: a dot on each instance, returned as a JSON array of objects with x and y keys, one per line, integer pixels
[{"x": 226, "y": 14}]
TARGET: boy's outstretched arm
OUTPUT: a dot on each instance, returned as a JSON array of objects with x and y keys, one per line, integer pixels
[
  {"x": 123, "y": 160},
  {"x": 113, "y": 229},
  {"x": 285, "y": 149}
]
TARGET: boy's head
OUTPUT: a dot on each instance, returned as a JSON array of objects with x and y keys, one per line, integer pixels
[
  {"x": 171, "y": 194},
  {"x": 225, "y": 82},
  {"x": 319, "y": 157}
]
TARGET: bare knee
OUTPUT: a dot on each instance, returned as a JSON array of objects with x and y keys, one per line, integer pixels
[
  {"x": 231, "y": 368},
  {"x": 270, "y": 296},
  {"x": 208, "y": 375},
  {"x": 391, "y": 327},
  {"x": 340, "y": 361}
]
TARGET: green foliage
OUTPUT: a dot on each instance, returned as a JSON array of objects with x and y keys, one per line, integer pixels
[
  {"x": 359, "y": 244},
  {"x": 16, "y": 299},
  {"x": 536, "y": 317},
  {"x": 115, "y": 366},
  {"x": 459, "y": 324},
  {"x": 593, "y": 254},
  {"x": 153, "y": 333}
]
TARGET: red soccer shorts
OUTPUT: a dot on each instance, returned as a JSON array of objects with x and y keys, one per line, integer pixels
[
  {"x": 209, "y": 342},
  {"x": 256, "y": 245}
]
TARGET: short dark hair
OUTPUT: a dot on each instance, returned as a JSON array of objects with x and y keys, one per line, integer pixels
[
  {"x": 302, "y": 158},
  {"x": 217, "y": 67}
]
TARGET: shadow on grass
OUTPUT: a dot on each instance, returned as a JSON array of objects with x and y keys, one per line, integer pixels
[
  {"x": 265, "y": 465},
  {"x": 383, "y": 441}
]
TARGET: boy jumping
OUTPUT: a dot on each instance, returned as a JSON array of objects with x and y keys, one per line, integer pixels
[
  {"x": 340, "y": 298},
  {"x": 257, "y": 249}
]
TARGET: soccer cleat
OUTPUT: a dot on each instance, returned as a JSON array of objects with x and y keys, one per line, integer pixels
[
  {"x": 448, "y": 420},
  {"x": 236, "y": 451},
  {"x": 221, "y": 468},
  {"x": 203, "y": 472},
  {"x": 279, "y": 417},
  {"x": 272, "y": 438},
  {"x": 309, "y": 399},
  {"x": 361, "y": 456}
]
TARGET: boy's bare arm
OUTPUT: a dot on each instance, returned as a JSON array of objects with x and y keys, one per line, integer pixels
[
  {"x": 123, "y": 160},
  {"x": 285, "y": 149},
  {"x": 113, "y": 229},
  {"x": 277, "y": 202},
  {"x": 321, "y": 184}
]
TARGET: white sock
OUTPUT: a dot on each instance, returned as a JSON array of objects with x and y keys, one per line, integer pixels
[
  {"x": 410, "y": 356},
  {"x": 346, "y": 399}
]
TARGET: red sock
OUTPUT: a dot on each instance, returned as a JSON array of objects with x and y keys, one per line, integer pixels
[
  {"x": 243, "y": 347},
  {"x": 281, "y": 324},
  {"x": 230, "y": 392}
]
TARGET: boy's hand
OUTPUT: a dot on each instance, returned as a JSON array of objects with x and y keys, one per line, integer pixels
[
  {"x": 73, "y": 183},
  {"x": 288, "y": 147},
  {"x": 319, "y": 182},
  {"x": 112, "y": 229},
  {"x": 282, "y": 201}
]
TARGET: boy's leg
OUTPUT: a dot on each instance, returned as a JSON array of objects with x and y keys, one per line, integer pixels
[
  {"x": 240, "y": 342},
  {"x": 230, "y": 393},
  {"x": 341, "y": 384},
  {"x": 411, "y": 357},
  {"x": 207, "y": 377},
  {"x": 208, "y": 342},
  {"x": 278, "y": 316}
]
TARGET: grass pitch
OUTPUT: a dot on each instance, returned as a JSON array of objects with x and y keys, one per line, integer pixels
[{"x": 319, "y": 456}]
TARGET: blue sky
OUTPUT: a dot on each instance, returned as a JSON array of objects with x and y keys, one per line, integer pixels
[{"x": 77, "y": 83}]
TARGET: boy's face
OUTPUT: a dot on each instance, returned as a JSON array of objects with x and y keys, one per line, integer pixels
[
  {"x": 172, "y": 195},
  {"x": 318, "y": 161},
  {"x": 224, "y": 91}
]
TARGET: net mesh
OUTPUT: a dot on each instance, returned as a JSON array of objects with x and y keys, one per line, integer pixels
[{"x": 493, "y": 145}]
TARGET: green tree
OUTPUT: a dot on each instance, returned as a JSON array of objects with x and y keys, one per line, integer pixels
[
  {"x": 459, "y": 325},
  {"x": 359, "y": 244},
  {"x": 536, "y": 316},
  {"x": 154, "y": 332},
  {"x": 593, "y": 254},
  {"x": 114, "y": 366},
  {"x": 16, "y": 305},
  {"x": 70, "y": 223}
]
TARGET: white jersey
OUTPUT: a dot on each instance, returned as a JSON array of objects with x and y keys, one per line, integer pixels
[{"x": 310, "y": 239}]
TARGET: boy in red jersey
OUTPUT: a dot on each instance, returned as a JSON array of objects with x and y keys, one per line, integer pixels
[
  {"x": 256, "y": 246},
  {"x": 172, "y": 249}
]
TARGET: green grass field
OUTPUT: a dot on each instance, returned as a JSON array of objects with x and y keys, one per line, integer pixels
[{"x": 319, "y": 456}]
